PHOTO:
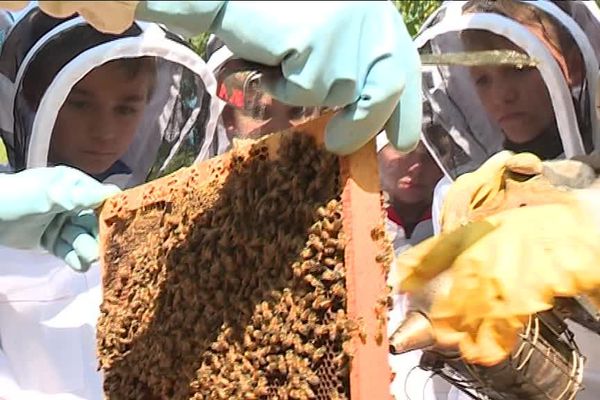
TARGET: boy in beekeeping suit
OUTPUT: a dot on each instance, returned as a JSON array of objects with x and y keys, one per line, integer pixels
[
  {"x": 548, "y": 110},
  {"x": 356, "y": 76},
  {"x": 120, "y": 108}
]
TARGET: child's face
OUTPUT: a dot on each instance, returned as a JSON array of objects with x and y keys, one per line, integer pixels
[
  {"x": 516, "y": 99},
  {"x": 99, "y": 119},
  {"x": 409, "y": 178}
]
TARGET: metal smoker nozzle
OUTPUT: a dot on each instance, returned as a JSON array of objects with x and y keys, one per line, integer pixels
[{"x": 415, "y": 332}]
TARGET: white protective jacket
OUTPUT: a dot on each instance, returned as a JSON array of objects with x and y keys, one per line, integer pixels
[{"x": 48, "y": 316}]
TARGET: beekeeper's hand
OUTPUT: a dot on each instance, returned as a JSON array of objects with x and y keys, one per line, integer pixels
[
  {"x": 51, "y": 207},
  {"x": 502, "y": 269},
  {"x": 354, "y": 54}
]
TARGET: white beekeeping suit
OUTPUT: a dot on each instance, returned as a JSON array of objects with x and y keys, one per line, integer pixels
[
  {"x": 477, "y": 135},
  {"x": 48, "y": 311}
]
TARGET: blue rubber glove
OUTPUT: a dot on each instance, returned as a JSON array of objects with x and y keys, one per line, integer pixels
[
  {"x": 51, "y": 207},
  {"x": 354, "y": 54}
]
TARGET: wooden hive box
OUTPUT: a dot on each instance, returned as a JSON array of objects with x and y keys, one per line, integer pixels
[{"x": 259, "y": 274}]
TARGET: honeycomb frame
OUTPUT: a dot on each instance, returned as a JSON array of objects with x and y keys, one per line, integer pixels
[{"x": 369, "y": 373}]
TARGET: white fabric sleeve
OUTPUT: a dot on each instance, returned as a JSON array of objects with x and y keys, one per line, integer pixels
[
  {"x": 10, "y": 390},
  {"x": 7, "y": 381},
  {"x": 439, "y": 194}
]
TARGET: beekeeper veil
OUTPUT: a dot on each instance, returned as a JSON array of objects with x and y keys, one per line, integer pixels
[
  {"x": 587, "y": 15},
  {"x": 43, "y": 62},
  {"x": 548, "y": 109},
  {"x": 248, "y": 111}
]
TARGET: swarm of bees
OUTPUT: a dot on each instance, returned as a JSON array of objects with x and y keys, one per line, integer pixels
[{"x": 235, "y": 287}]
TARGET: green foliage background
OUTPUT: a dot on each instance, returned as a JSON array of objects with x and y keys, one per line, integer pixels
[{"x": 415, "y": 12}]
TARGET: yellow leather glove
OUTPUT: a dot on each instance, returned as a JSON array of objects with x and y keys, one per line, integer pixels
[
  {"x": 106, "y": 16},
  {"x": 503, "y": 262},
  {"x": 490, "y": 188}
]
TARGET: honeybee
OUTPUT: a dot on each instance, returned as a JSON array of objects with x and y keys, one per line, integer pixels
[
  {"x": 317, "y": 355},
  {"x": 257, "y": 335},
  {"x": 340, "y": 360},
  {"x": 385, "y": 258},
  {"x": 329, "y": 262},
  {"x": 330, "y": 275},
  {"x": 317, "y": 245},
  {"x": 322, "y": 212},
  {"x": 288, "y": 340},
  {"x": 219, "y": 346},
  {"x": 308, "y": 392},
  {"x": 338, "y": 290},
  {"x": 321, "y": 302},
  {"x": 307, "y": 253},
  {"x": 321, "y": 330},
  {"x": 314, "y": 282},
  {"x": 329, "y": 251}
]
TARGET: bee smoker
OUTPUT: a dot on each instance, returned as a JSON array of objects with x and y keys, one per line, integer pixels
[{"x": 546, "y": 363}]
